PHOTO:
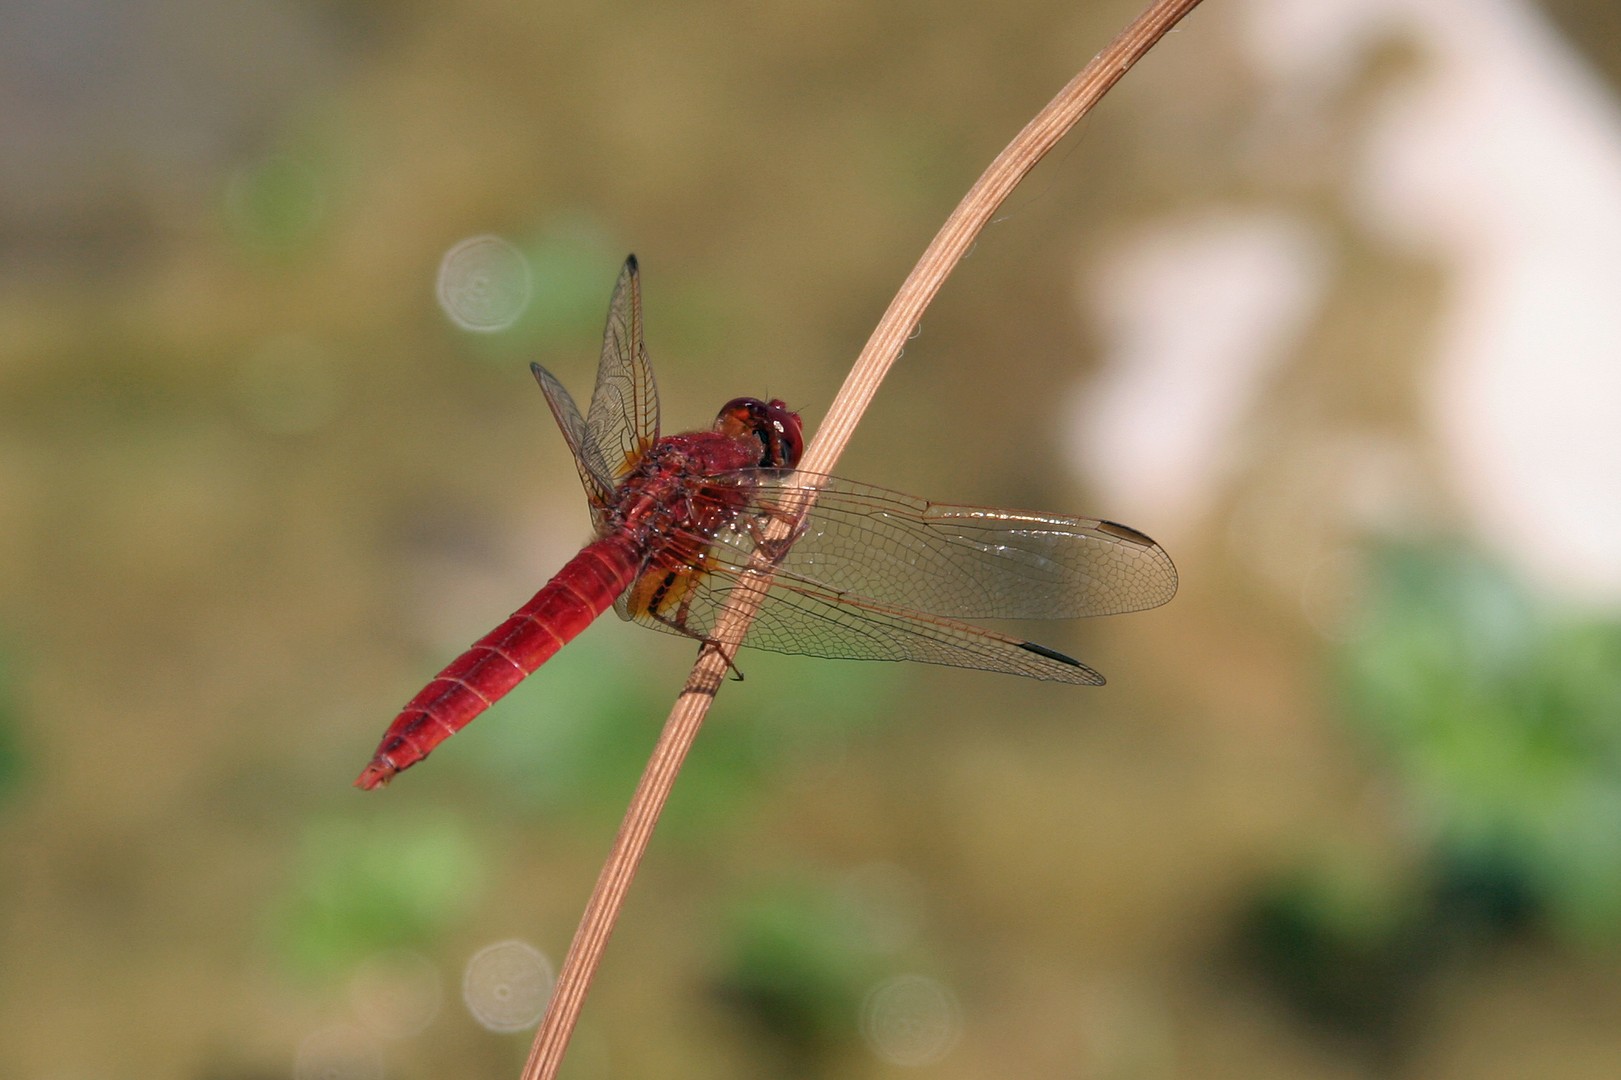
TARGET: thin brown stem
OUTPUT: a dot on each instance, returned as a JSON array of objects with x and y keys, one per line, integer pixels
[{"x": 950, "y": 244}]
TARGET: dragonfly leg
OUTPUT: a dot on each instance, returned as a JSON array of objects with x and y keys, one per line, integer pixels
[
  {"x": 679, "y": 625},
  {"x": 755, "y": 525}
]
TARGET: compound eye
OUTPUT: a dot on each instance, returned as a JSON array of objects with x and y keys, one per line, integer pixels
[
  {"x": 790, "y": 434},
  {"x": 773, "y": 425}
]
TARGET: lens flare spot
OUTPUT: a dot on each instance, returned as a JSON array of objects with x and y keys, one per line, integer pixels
[
  {"x": 911, "y": 1020},
  {"x": 396, "y": 994},
  {"x": 341, "y": 1052},
  {"x": 484, "y": 284},
  {"x": 506, "y": 985}
]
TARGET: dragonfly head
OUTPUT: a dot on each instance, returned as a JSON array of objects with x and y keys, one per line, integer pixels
[{"x": 772, "y": 424}]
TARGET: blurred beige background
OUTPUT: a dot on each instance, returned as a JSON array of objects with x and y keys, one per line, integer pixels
[{"x": 1322, "y": 298}]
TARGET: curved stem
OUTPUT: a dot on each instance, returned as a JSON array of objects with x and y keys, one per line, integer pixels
[{"x": 949, "y": 246}]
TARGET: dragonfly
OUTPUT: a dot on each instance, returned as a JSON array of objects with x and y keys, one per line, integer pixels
[{"x": 865, "y": 573}]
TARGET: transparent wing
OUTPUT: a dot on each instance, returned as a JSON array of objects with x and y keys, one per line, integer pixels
[
  {"x": 798, "y": 617},
  {"x": 623, "y": 422},
  {"x": 964, "y": 562},
  {"x": 880, "y": 575},
  {"x": 588, "y": 457}
]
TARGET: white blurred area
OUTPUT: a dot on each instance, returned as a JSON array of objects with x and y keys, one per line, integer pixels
[
  {"x": 911, "y": 1020},
  {"x": 506, "y": 985},
  {"x": 1199, "y": 313},
  {"x": 1495, "y": 157}
]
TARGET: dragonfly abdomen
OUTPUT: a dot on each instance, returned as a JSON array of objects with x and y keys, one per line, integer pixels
[{"x": 568, "y": 603}]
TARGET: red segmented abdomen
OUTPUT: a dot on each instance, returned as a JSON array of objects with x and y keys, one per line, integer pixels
[{"x": 585, "y": 588}]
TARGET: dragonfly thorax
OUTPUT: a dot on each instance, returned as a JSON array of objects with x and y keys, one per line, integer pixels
[{"x": 677, "y": 486}]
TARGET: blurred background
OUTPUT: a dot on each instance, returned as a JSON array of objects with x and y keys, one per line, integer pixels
[{"x": 1322, "y": 298}]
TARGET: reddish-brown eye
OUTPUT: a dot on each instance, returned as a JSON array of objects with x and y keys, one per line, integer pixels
[
  {"x": 775, "y": 426},
  {"x": 786, "y": 423}
]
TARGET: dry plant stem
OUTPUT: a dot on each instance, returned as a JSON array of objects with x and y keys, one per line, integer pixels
[{"x": 883, "y": 347}]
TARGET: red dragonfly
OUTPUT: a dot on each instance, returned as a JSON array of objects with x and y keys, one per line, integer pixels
[{"x": 871, "y": 575}]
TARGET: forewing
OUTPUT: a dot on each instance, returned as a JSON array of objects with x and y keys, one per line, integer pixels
[
  {"x": 623, "y": 422},
  {"x": 960, "y": 562},
  {"x": 588, "y": 456}
]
